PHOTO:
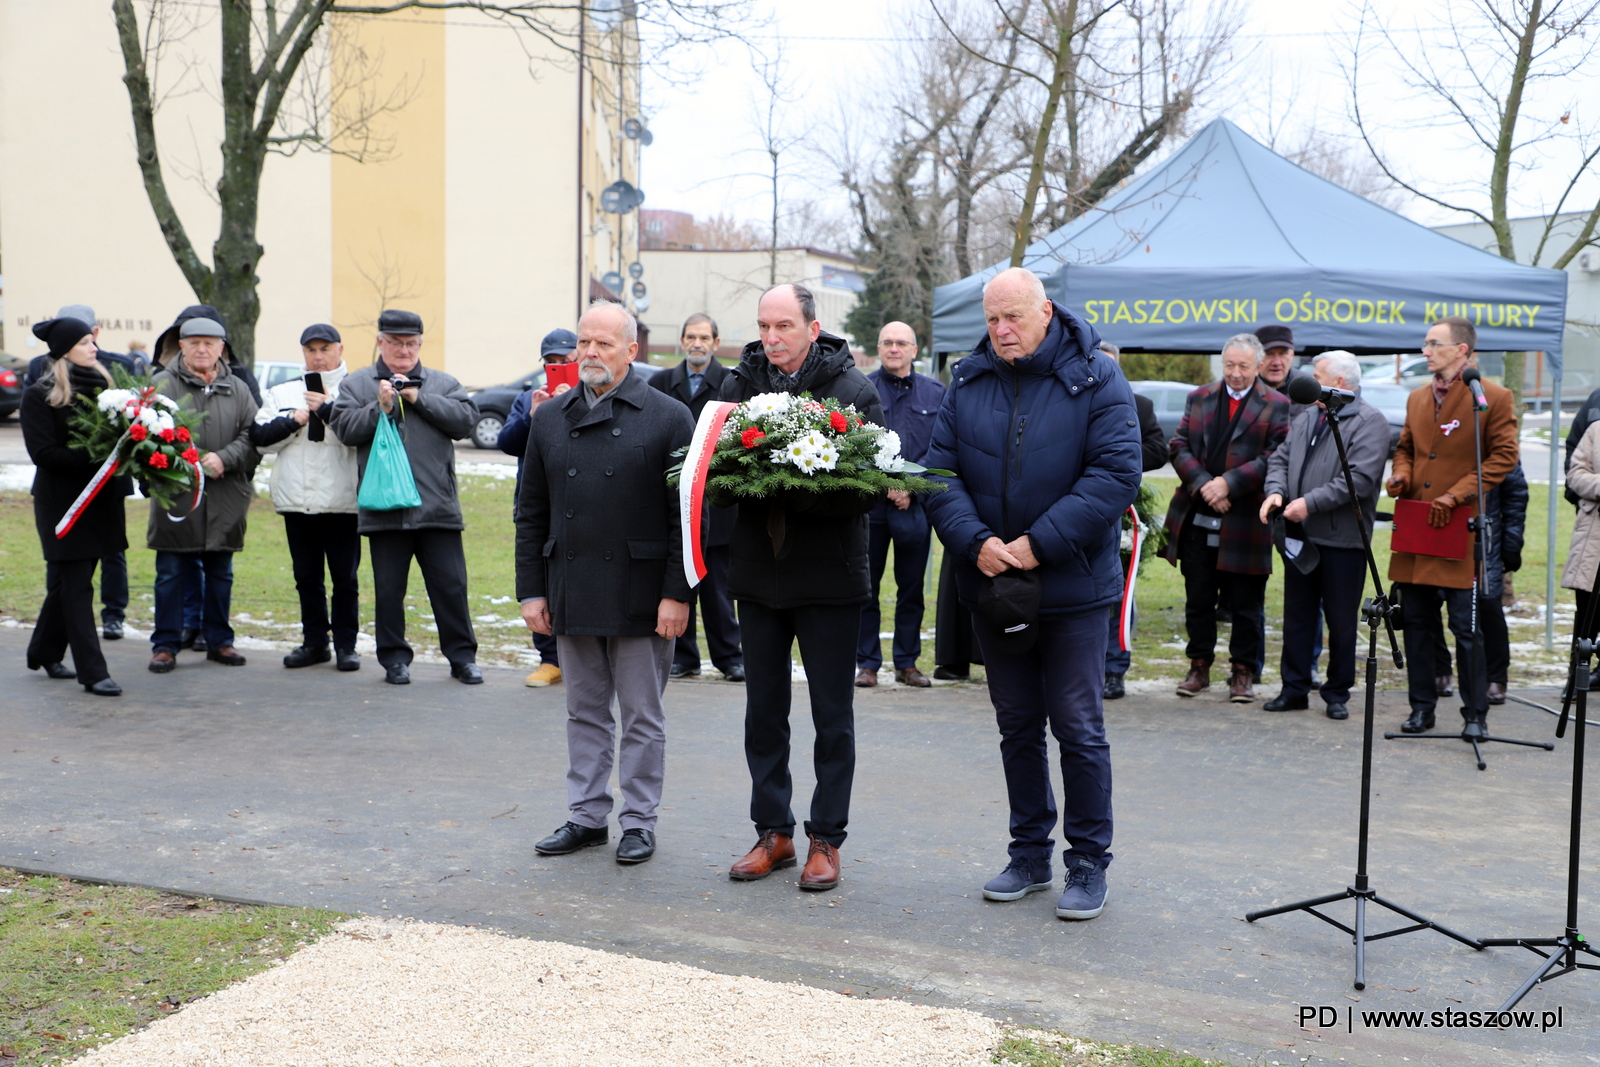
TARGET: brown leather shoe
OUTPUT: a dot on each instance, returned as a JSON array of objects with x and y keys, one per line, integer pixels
[
  {"x": 773, "y": 852},
  {"x": 1497, "y": 692},
  {"x": 162, "y": 662},
  {"x": 1240, "y": 688},
  {"x": 912, "y": 677},
  {"x": 866, "y": 678},
  {"x": 1199, "y": 678},
  {"x": 822, "y": 866}
]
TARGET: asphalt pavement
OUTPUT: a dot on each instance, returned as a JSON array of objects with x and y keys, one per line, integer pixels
[{"x": 335, "y": 790}]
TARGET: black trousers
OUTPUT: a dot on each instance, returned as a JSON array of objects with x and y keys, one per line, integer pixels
[
  {"x": 1420, "y": 605},
  {"x": 1496, "y": 639},
  {"x": 113, "y": 586},
  {"x": 443, "y": 563},
  {"x": 955, "y": 643},
  {"x": 313, "y": 540},
  {"x": 1332, "y": 591},
  {"x": 1204, "y": 586},
  {"x": 912, "y": 538},
  {"x": 716, "y": 609},
  {"x": 827, "y": 636},
  {"x": 67, "y": 621}
]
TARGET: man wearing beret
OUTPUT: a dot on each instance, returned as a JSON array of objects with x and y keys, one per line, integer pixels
[
  {"x": 314, "y": 485},
  {"x": 431, "y": 411}
]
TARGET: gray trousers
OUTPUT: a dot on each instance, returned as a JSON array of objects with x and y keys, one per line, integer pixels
[{"x": 634, "y": 671}]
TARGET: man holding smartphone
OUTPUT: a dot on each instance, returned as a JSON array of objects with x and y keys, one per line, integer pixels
[{"x": 314, "y": 486}]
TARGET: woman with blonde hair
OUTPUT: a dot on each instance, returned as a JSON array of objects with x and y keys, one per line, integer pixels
[{"x": 67, "y": 618}]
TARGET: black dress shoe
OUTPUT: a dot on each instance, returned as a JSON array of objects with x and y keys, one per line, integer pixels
[
  {"x": 1497, "y": 693},
  {"x": 105, "y": 687},
  {"x": 397, "y": 674},
  {"x": 1283, "y": 703},
  {"x": 952, "y": 674},
  {"x": 1419, "y": 723},
  {"x": 188, "y": 637},
  {"x": 1338, "y": 711},
  {"x": 225, "y": 656},
  {"x": 680, "y": 671},
  {"x": 734, "y": 673},
  {"x": 111, "y": 630},
  {"x": 1441, "y": 686},
  {"x": 1475, "y": 726},
  {"x": 636, "y": 846},
  {"x": 305, "y": 656},
  {"x": 199, "y": 642},
  {"x": 345, "y": 659},
  {"x": 571, "y": 837},
  {"x": 59, "y": 670},
  {"x": 466, "y": 673},
  {"x": 1114, "y": 689}
]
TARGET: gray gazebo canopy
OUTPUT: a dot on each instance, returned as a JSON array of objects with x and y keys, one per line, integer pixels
[{"x": 1227, "y": 234}]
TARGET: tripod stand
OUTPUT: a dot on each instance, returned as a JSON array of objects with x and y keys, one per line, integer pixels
[
  {"x": 1570, "y": 947},
  {"x": 1377, "y": 609},
  {"x": 1476, "y": 729}
]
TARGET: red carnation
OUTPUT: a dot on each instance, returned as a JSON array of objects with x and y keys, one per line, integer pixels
[
  {"x": 190, "y": 455},
  {"x": 183, "y": 433},
  {"x": 859, "y": 424},
  {"x": 158, "y": 459},
  {"x": 752, "y": 437},
  {"x": 166, "y": 435},
  {"x": 839, "y": 423},
  {"x": 138, "y": 432}
]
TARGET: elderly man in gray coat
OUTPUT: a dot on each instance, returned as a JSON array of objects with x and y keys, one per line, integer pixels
[
  {"x": 1327, "y": 571},
  {"x": 600, "y": 565},
  {"x": 431, "y": 411}
]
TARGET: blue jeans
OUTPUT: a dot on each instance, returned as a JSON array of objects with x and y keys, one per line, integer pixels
[
  {"x": 1057, "y": 683},
  {"x": 912, "y": 537},
  {"x": 171, "y": 589},
  {"x": 194, "y": 588}
]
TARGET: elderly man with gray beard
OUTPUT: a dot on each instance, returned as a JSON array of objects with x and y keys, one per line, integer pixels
[
  {"x": 600, "y": 565},
  {"x": 1327, "y": 573}
]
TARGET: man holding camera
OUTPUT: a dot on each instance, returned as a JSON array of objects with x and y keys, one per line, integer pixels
[{"x": 430, "y": 411}]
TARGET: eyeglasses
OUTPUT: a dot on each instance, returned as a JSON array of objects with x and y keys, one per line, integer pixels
[
  {"x": 1430, "y": 343},
  {"x": 412, "y": 345},
  {"x": 897, "y": 344}
]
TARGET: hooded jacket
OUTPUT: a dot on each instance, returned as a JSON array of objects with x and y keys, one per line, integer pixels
[
  {"x": 308, "y": 477},
  {"x": 229, "y": 411},
  {"x": 1046, "y": 446},
  {"x": 166, "y": 347},
  {"x": 823, "y": 558},
  {"x": 442, "y": 415}
]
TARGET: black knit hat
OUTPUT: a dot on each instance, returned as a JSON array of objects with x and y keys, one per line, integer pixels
[{"x": 61, "y": 334}]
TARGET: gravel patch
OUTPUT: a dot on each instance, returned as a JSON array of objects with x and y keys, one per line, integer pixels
[{"x": 389, "y": 992}]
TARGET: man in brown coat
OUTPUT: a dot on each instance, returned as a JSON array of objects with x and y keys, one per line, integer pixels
[{"x": 1434, "y": 463}]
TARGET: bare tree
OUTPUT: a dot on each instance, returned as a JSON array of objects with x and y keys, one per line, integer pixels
[
  {"x": 1503, "y": 74},
  {"x": 270, "y": 102},
  {"x": 771, "y": 118}
]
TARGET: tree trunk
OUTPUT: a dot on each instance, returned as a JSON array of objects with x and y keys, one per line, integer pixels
[
  {"x": 1516, "y": 367},
  {"x": 1041, "y": 139},
  {"x": 236, "y": 252}
]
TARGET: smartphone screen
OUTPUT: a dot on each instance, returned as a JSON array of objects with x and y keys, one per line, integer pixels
[
  {"x": 313, "y": 382},
  {"x": 560, "y": 374}
]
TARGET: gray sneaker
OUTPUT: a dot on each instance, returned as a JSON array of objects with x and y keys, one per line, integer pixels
[
  {"x": 1021, "y": 877},
  {"x": 1085, "y": 896}
]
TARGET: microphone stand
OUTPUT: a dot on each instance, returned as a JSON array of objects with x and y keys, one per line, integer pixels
[
  {"x": 1568, "y": 949},
  {"x": 1476, "y": 729},
  {"x": 1378, "y": 608}
]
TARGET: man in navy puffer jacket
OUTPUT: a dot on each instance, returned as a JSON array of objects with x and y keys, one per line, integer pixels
[{"x": 1041, "y": 433}]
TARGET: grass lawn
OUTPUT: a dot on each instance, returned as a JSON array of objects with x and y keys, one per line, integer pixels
[
  {"x": 265, "y": 605},
  {"x": 82, "y": 964}
]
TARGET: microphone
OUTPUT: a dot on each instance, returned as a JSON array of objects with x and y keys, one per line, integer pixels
[
  {"x": 1304, "y": 389},
  {"x": 1474, "y": 382}
]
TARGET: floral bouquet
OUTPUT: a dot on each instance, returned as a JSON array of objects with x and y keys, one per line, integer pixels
[{"x": 133, "y": 429}]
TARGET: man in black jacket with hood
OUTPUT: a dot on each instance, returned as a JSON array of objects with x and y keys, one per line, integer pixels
[{"x": 798, "y": 570}]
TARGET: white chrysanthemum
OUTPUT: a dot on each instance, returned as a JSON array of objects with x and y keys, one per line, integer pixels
[
  {"x": 815, "y": 442},
  {"x": 763, "y": 404},
  {"x": 827, "y": 457},
  {"x": 810, "y": 463},
  {"x": 887, "y": 457},
  {"x": 147, "y": 417},
  {"x": 796, "y": 452},
  {"x": 166, "y": 402},
  {"x": 113, "y": 399},
  {"x": 1127, "y": 540},
  {"x": 164, "y": 422}
]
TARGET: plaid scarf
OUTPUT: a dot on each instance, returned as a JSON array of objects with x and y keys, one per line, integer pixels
[
  {"x": 1441, "y": 386},
  {"x": 779, "y": 382}
]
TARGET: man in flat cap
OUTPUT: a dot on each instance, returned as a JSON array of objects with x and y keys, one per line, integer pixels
[
  {"x": 431, "y": 411},
  {"x": 314, "y": 485}
]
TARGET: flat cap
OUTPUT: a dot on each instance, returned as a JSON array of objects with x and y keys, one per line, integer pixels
[
  {"x": 202, "y": 328},
  {"x": 399, "y": 323},
  {"x": 319, "y": 331}
]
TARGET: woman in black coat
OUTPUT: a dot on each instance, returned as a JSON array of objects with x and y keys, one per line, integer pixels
[{"x": 67, "y": 618}]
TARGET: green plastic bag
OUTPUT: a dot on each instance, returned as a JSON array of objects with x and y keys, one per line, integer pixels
[{"x": 387, "y": 484}]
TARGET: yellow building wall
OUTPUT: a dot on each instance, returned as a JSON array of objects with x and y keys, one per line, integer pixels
[{"x": 388, "y": 218}]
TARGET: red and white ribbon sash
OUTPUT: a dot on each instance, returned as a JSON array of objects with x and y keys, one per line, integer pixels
[
  {"x": 692, "y": 486},
  {"x": 1125, "y": 616},
  {"x": 90, "y": 491}
]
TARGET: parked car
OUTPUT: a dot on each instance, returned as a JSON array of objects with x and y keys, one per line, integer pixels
[
  {"x": 1169, "y": 399},
  {"x": 1391, "y": 400},
  {"x": 12, "y": 371},
  {"x": 494, "y": 403},
  {"x": 273, "y": 374},
  {"x": 1413, "y": 371}
]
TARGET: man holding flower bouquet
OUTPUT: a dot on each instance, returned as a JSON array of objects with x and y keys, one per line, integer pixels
[{"x": 798, "y": 571}]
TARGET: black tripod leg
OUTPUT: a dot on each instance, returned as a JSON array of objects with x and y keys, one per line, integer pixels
[
  {"x": 1302, "y": 905},
  {"x": 1429, "y": 923},
  {"x": 1542, "y": 971},
  {"x": 1477, "y": 754},
  {"x": 1361, "y": 942}
]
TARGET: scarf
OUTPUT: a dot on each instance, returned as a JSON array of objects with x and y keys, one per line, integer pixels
[
  {"x": 1441, "y": 386},
  {"x": 779, "y": 382}
]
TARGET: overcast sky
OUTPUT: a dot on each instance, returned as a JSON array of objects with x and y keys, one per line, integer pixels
[{"x": 706, "y": 152}]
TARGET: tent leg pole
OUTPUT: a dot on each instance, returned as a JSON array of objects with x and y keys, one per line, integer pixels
[{"x": 1550, "y": 553}]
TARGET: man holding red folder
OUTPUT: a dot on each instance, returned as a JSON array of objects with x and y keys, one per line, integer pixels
[{"x": 1434, "y": 464}]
